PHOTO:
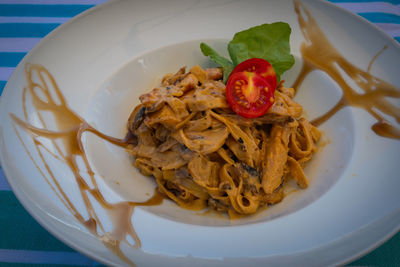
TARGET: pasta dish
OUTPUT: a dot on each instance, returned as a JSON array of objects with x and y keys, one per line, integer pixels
[{"x": 202, "y": 154}]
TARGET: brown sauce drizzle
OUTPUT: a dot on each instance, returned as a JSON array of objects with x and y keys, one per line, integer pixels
[
  {"x": 67, "y": 141},
  {"x": 317, "y": 52}
]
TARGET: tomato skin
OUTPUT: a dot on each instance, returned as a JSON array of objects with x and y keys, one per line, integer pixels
[
  {"x": 249, "y": 94},
  {"x": 259, "y": 66}
]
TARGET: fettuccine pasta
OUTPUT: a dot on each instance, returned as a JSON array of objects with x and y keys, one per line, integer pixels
[{"x": 201, "y": 154}]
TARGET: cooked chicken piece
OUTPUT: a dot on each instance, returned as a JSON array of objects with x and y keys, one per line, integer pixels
[{"x": 276, "y": 158}]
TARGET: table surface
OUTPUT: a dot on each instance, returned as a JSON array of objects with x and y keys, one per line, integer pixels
[{"x": 23, "y": 23}]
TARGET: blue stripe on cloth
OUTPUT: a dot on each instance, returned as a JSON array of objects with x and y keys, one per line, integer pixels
[
  {"x": 377, "y": 17},
  {"x": 10, "y": 59},
  {"x": 27, "y": 10},
  {"x": 26, "y": 29},
  {"x": 44, "y": 257},
  {"x": 394, "y": 2},
  {"x": 2, "y": 85},
  {"x": 397, "y": 39}
]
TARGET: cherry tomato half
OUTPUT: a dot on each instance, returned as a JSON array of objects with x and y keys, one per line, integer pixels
[
  {"x": 259, "y": 66},
  {"x": 249, "y": 94}
]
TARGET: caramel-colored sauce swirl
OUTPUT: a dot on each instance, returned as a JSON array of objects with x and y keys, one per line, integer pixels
[
  {"x": 66, "y": 138},
  {"x": 319, "y": 54}
]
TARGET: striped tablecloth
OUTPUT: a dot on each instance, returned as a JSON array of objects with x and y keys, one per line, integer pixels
[{"x": 23, "y": 23}]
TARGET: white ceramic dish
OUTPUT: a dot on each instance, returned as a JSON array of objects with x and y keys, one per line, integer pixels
[{"x": 105, "y": 58}]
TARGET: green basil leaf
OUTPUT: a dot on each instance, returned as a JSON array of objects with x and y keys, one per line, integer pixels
[
  {"x": 267, "y": 41},
  {"x": 226, "y": 64}
]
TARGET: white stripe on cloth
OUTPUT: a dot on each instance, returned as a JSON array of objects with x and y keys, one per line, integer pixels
[
  {"x": 44, "y": 257},
  {"x": 390, "y": 28},
  {"x": 33, "y": 19},
  {"x": 3, "y": 182},
  {"x": 18, "y": 44},
  {"x": 5, "y": 73},
  {"x": 54, "y": 2},
  {"x": 368, "y": 7}
]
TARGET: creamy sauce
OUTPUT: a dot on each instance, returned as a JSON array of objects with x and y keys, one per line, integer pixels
[
  {"x": 317, "y": 52},
  {"x": 67, "y": 141}
]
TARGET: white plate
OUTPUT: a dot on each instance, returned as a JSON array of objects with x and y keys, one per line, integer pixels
[{"x": 105, "y": 58}]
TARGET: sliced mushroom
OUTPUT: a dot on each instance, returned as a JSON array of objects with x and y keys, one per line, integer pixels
[
  {"x": 204, "y": 172},
  {"x": 136, "y": 117},
  {"x": 200, "y": 124},
  {"x": 204, "y": 142},
  {"x": 168, "y": 144},
  {"x": 165, "y": 116},
  {"x": 168, "y": 160}
]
